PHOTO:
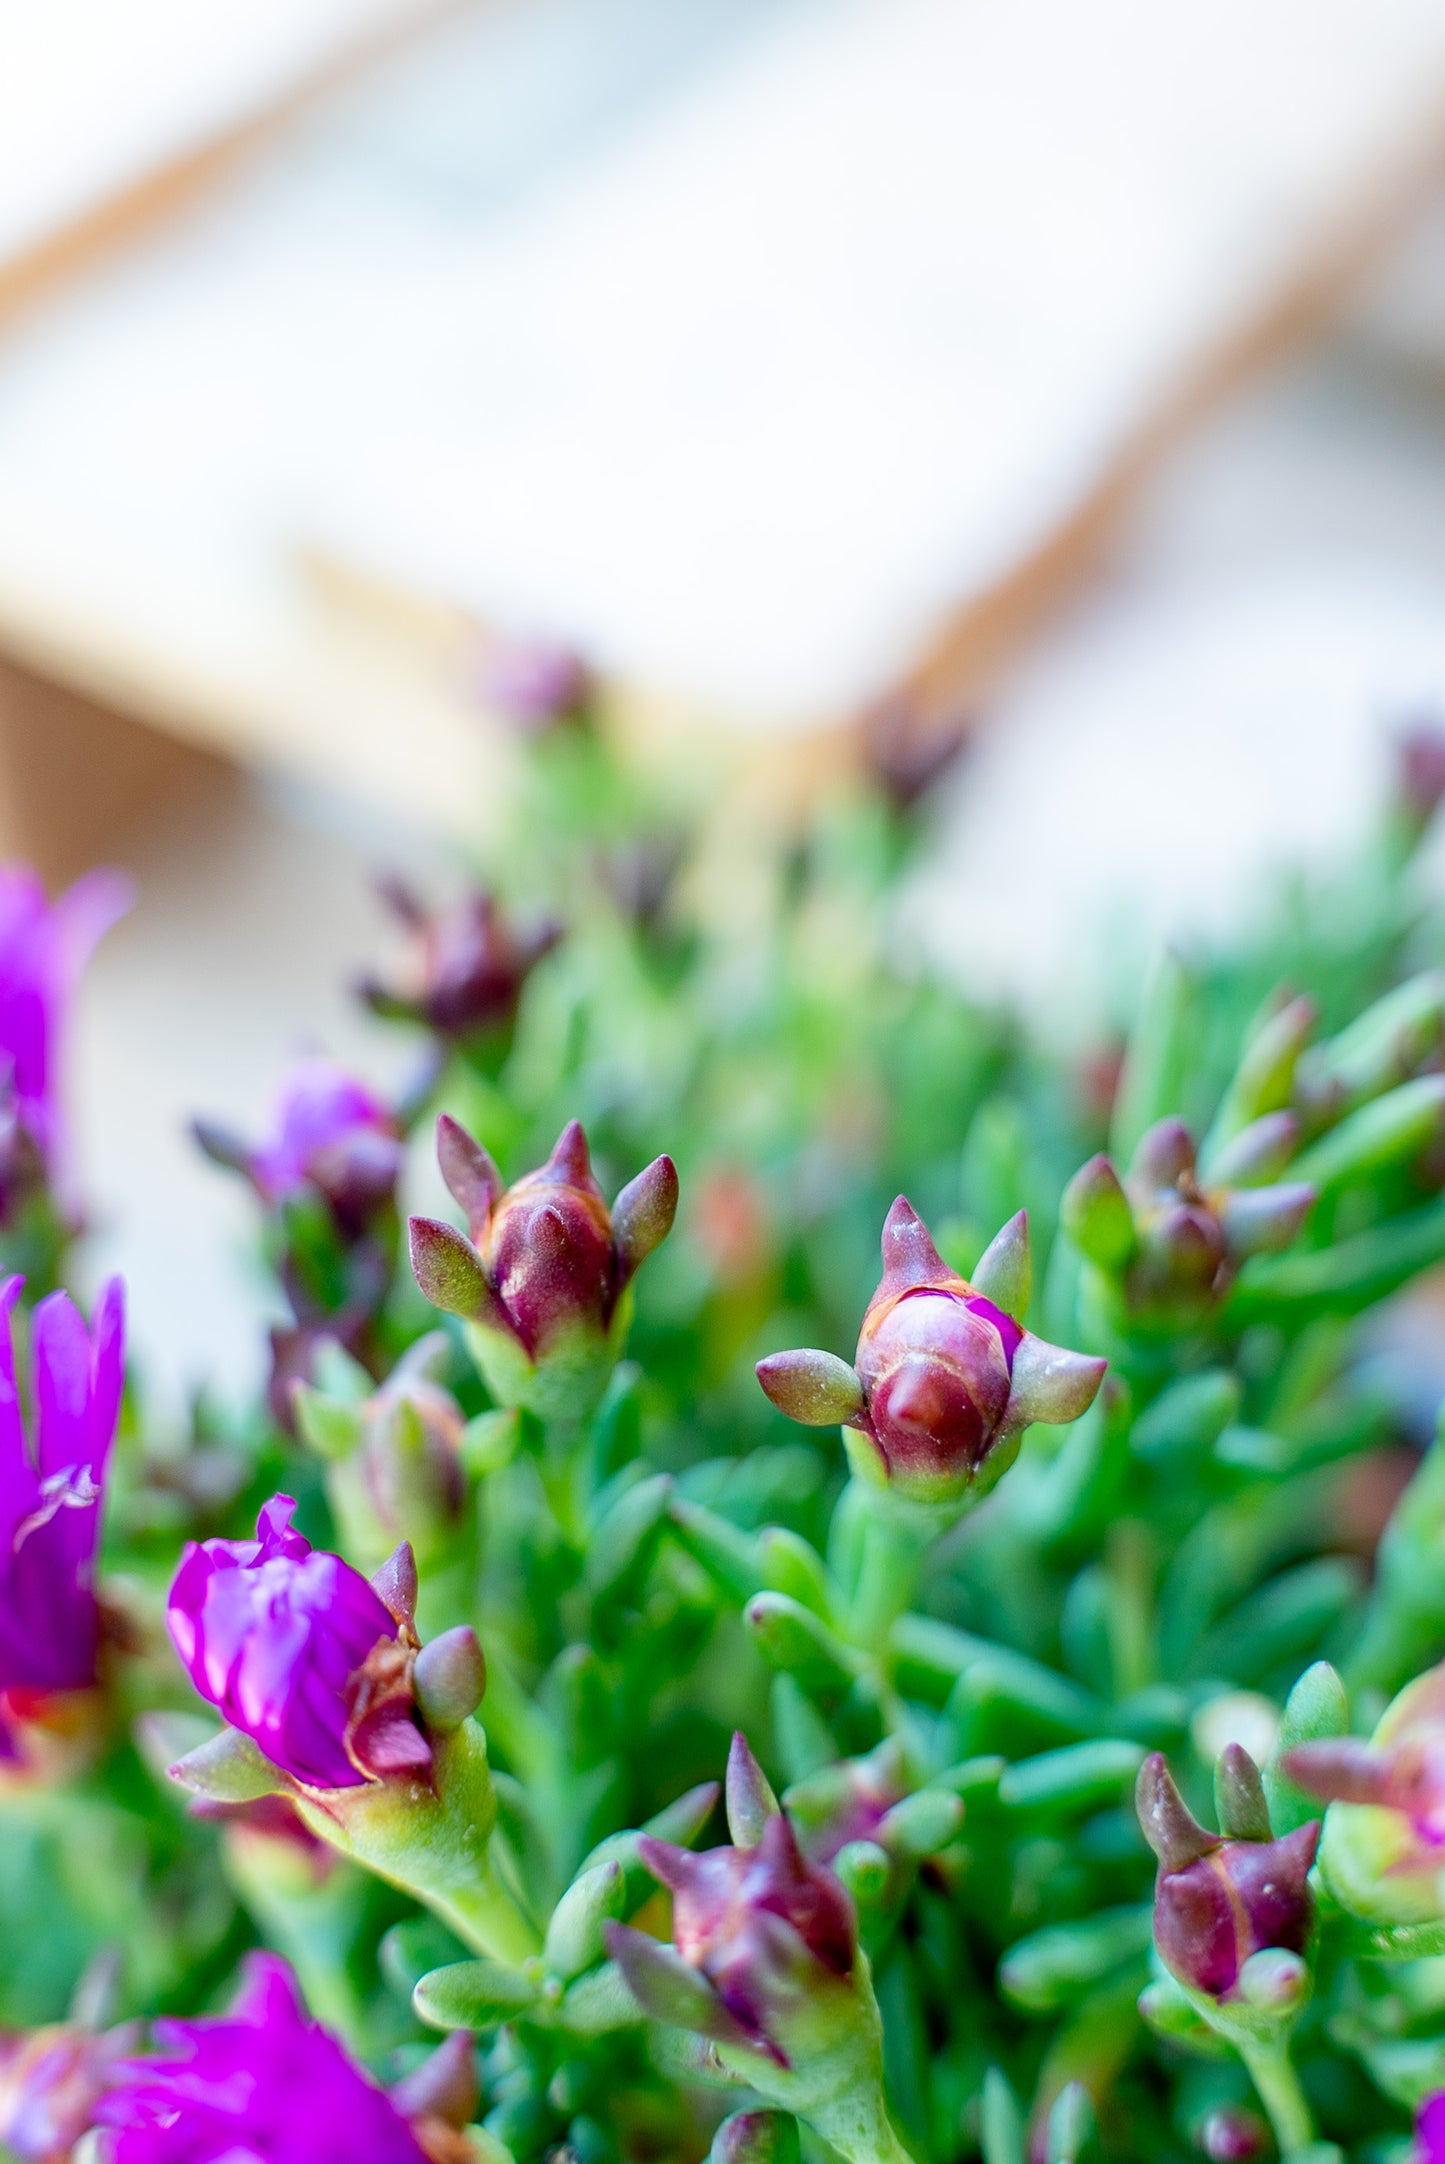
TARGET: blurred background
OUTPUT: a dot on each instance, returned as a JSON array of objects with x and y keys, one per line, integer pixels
[{"x": 1075, "y": 366}]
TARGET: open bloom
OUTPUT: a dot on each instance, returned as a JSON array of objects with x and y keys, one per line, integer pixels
[
  {"x": 543, "y": 1276},
  {"x": 50, "y": 1493},
  {"x": 300, "y": 1653},
  {"x": 1430, "y": 2130},
  {"x": 44, "y": 947},
  {"x": 263, "y": 2084},
  {"x": 1383, "y": 1853},
  {"x": 1219, "y": 1899},
  {"x": 945, "y": 1378},
  {"x": 466, "y": 965}
]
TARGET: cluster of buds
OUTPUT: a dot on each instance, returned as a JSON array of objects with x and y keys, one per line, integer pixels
[
  {"x": 44, "y": 948},
  {"x": 542, "y": 1281},
  {"x": 1169, "y": 1247},
  {"x": 266, "y": 2081},
  {"x": 326, "y": 1177},
  {"x": 332, "y": 1702},
  {"x": 393, "y": 1456},
  {"x": 765, "y": 1963},
  {"x": 51, "y": 1491},
  {"x": 945, "y": 1378},
  {"x": 1233, "y": 1911},
  {"x": 464, "y": 970},
  {"x": 1383, "y": 1852}
]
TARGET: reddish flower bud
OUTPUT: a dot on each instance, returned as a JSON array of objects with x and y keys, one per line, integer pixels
[
  {"x": 542, "y": 1277},
  {"x": 1171, "y": 1245},
  {"x": 756, "y": 1923},
  {"x": 945, "y": 1378},
  {"x": 465, "y": 965},
  {"x": 1219, "y": 1900}
]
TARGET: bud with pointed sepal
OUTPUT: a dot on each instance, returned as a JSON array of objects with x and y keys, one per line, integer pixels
[
  {"x": 464, "y": 969},
  {"x": 1223, "y": 1901},
  {"x": 542, "y": 1281},
  {"x": 765, "y": 1963},
  {"x": 945, "y": 1378},
  {"x": 1383, "y": 1852},
  {"x": 1170, "y": 1247}
]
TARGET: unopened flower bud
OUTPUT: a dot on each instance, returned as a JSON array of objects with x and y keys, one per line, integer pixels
[
  {"x": 1233, "y": 2135},
  {"x": 945, "y": 1378},
  {"x": 1383, "y": 1852},
  {"x": 329, "y": 1135},
  {"x": 465, "y": 966},
  {"x": 393, "y": 1458},
  {"x": 1171, "y": 1245},
  {"x": 542, "y": 1279},
  {"x": 1220, "y": 1900}
]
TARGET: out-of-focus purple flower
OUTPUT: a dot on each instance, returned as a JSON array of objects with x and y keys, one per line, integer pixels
[
  {"x": 1420, "y": 772},
  {"x": 908, "y": 752},
  {"x": 44, "y": 948},
  {"x": 945, "y": 1379},
  {"x": 1220, "y": 1899},
  {"x": 1430, "y": 2130},
  {"x": 543, "y": 1273},
  {"x": 466, "y": 965},
  {"x": 329, "y": 1134},
  {"x": 535, "y": 682},
  {"x": 263, "y": 2084},
  {"x": 50, "y": 1493},
  {"x": 50, "y": 2083},
  {"x": 300, "y": 1653}
]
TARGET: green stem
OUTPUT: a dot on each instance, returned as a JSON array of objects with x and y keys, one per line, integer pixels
[
  {"x": 893, "y": 1548},
  {"x": 1272, "y": 2071}
]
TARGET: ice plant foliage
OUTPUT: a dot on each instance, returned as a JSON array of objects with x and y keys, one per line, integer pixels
[
  {"x": 52, "y": 1484},
  {"x": 446, "y": 1764},
  {"x": 945, "y": 1378},
  {"x": 299, "y": 1653}
]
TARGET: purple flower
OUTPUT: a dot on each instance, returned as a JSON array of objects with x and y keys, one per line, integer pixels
[
  {"x": 300, "y": 1653},
  {"x": 1430, "y": 2130},
  {"x": 50, "y": 1492},
  {"x": 1221, "y": 1898},
  {"x": 547, "y": 1263},
  {"x": 263, "y": 2084},
  {"x": 466, "y": 967},
  {"x": 944, "y": 1379},
  {"x": 328, "y": 1132},
  {"x": 44, "y": 948},
  {"x": 535, "y": 682}
]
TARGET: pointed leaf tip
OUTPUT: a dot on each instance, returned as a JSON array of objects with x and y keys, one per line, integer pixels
[
  {"x": 814, "y": 1388},
  {"x": 643, "y": 1213},
  {"x": 472, "y": 1179},
  {"x": 1005, "y": 1268},
  {"x": 1239, "y": 1796},
  {"x": 449, "y": 1270},
  {"x": 1168, "y": 1825},
  {"x": 909, "y": 1255},
  {"x": 1050, "y": 1383},
  {"x": 1096, "y": 1214},
  {"x": 750, "y": 1798},
  {"x": 570, "y": 1164}
]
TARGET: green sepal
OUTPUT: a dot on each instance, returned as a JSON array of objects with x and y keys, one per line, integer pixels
[
  {"x": 1315, "y": 1709},
  {"x": 228, "y": 1768}
]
